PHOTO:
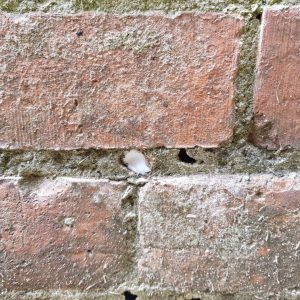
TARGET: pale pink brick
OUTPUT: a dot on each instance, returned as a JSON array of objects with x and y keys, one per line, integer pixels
[
  {"x": 62, "y": 234},
  {"x": 229, "y": 234}
]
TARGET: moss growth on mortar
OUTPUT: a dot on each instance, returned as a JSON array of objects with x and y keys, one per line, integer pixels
[
  {"x": 121, "y": 6},
  {"x": 246, "y": 77}
]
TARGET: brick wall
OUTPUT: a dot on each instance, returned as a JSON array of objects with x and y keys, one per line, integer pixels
[{"x": 208, "y": 92}]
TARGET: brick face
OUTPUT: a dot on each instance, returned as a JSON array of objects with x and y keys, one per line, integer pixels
[
  {"x": 61, "y": 234},
  {"x": 126, "y": 81},
  {"x": 277, "y": 92},
  {"x": 226, "y": 234}
]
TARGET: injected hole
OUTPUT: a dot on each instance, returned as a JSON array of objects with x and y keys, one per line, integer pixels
[
  {"x": 129, "y": 296},
  {"x": 136, "y": 162},
  {"x": 184, "y": 157}
]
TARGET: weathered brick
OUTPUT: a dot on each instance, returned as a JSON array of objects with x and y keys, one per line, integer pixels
[
  {"x": 277, "y": 91},
  {"x": 227, "y": 234},
  {"x": 61, "y": 234},
  {"x": 122, "y": 81}
]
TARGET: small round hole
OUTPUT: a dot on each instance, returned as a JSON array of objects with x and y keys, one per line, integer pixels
[{"x": 184, "y": 157}]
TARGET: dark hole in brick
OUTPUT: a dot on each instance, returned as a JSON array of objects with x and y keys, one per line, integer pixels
[
  {"x": 258, "y": 193},
  {"x": 184, "y": 157},
  {"x": 129, "y": 296},
  {"x": 79, "y": 33},
  {"x": 195, "y": 299}
]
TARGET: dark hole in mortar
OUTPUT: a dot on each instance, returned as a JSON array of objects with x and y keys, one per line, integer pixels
[
  {"x": 259, "y": 16},
  {"x": 184, "y": 157},
  {"x": 129, "y": 296}
]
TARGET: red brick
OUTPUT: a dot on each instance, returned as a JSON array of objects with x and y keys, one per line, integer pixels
[
  {"x": 127, "y": 81},
  {"x": 277, "y": 92},
  {"x": 40, "y": 248},
  {"x": 227, "y": 234}
]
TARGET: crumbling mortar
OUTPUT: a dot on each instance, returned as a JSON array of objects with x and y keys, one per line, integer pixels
[{"x": 240, "y": 157}]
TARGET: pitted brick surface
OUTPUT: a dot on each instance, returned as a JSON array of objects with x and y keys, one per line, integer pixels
[
  {"x": 225, "y": 234},
  {"x": 61, "y": 234}
]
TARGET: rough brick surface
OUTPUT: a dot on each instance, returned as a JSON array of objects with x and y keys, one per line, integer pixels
[
  {"x": 228, "y": 234},
  {"x": 277, "y": 93},
  {"x": 61, "y": 234},
  {"x": 121, "y": 81}
]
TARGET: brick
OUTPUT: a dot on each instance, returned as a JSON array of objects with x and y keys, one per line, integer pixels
[
  {"x": 277, "y": 91},
  {"x": 227, "y": 234},
  {"x": 126, "y": 81},
  {"x": 61, "y": 234}
]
